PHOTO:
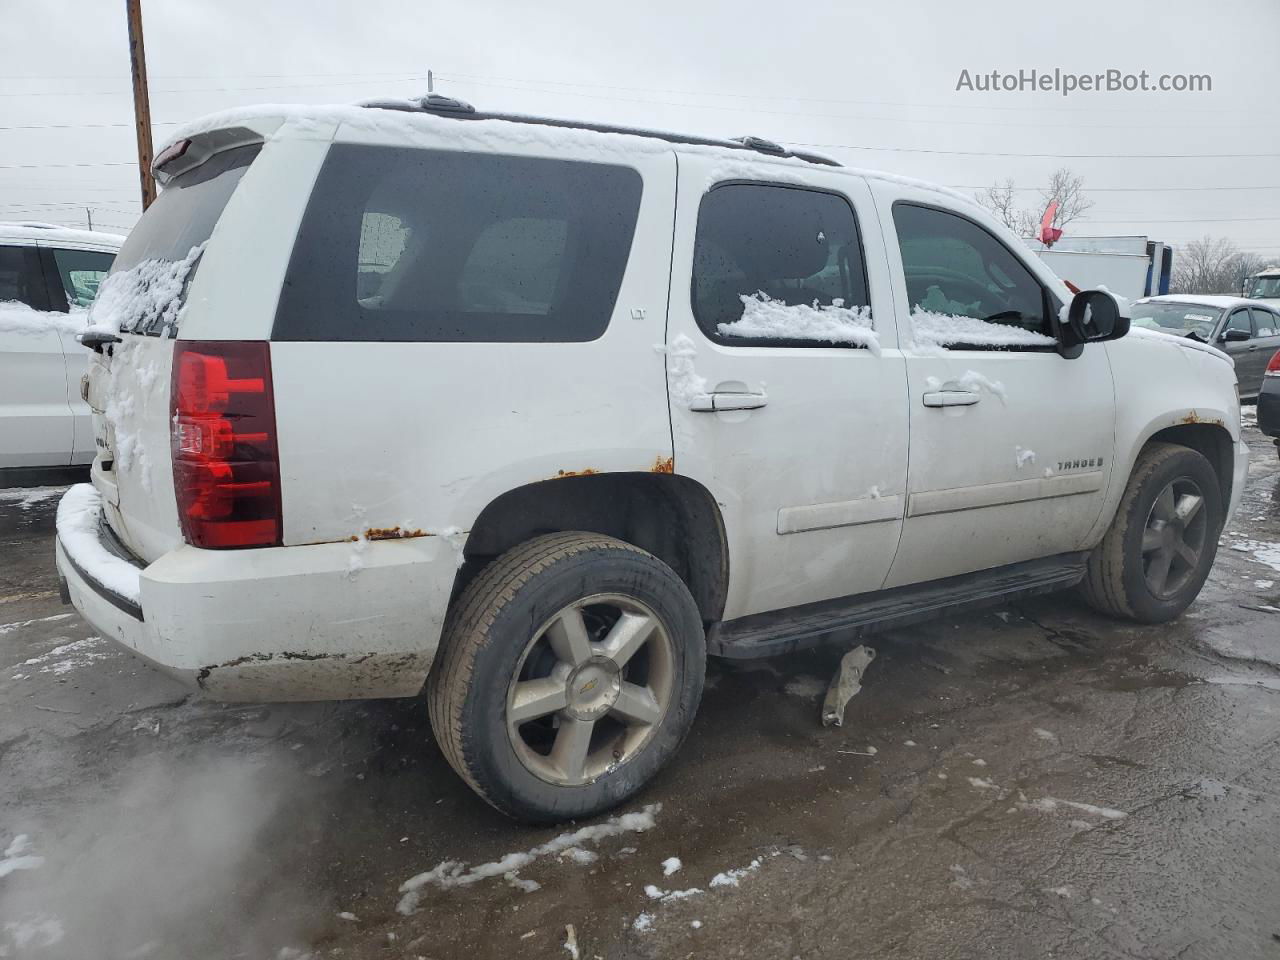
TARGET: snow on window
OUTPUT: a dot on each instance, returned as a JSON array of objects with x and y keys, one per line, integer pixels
[
  {"x": 78, "y": 513},
  {"x": 764, "y": 318},
  {"x": 145, "y": 298},
  {"x": 945, "y": 329}
]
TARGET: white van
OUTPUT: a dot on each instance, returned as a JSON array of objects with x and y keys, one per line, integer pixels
[
  {"x": 540, "y": 414},
  {"x": 48, "y": 276}
]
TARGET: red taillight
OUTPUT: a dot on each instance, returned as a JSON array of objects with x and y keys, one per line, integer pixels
[
  {"x": 226, "y": 464},
  {"x": 1273, "y": 368}
]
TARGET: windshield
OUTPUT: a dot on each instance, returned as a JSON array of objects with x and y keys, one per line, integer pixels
[
  {"x": 1179, "y": 319},
  {"x": 1265, "y": 287}
]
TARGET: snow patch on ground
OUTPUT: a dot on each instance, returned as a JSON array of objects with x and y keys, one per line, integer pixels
[
  {"x": 731, "y": 878},
  {"x": 769, "y": 319},
  {"x": 1264, "y": 552},
  {"x": 38, "y": 932},
  {"x": 454, "y": 873},
  {"x": 642, "y": 923},
  {"x": 19, "y": 624},
  {"x": 1044, "y": 734},
  {"x": 28, "y": 497},
  {"x": 71, "y": 656},
  {"x": 1266, "y": 683},
  {"x": 77, "y": 523},
  {"x": 1051, "y": 804},
  {"x": 17, "y": 857},
  {"x": 982, "y": 783},
  {"x": 939, "y": 329},
  {"x": 671, "y": 865}
]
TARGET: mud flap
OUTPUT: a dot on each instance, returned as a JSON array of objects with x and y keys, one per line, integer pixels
[{"x": 845, "y": 684}]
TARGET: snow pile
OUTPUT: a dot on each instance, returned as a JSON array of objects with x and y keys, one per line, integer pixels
[
  {"x": 17, "y": 317},
  {"x": 683, "y": 383},
  {"x": 453, "y": 873},
  {"x": 144, "y": 297},
  {"x": 16, "y": 856},
  {"x": 671, "y": 865},
  {"x": 78, "y": 513},
  {"x": 667, "y": 896},
  {"x": 764, "y": 318},
  {"x": 932, "y": 329}
]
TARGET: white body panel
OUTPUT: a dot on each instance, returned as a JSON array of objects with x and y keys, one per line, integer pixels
[
  {"x": 811, "y": 486},
  {"x": 842, "y": 483},
  {"x": 987, "y": 484},
  {"x": 43, "y": 420}
]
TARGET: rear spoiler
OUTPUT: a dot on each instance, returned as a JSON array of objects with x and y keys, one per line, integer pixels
[{"x": 183, "y": 155}]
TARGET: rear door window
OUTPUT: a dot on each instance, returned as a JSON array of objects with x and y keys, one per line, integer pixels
[
  {"x": 762, "y": 247},
  {"x": 401, "y": 244},
  {"x": 81, "y": 271},
  {"x": 21, "y": 279},
  {"x": 1265, "y": 323}
]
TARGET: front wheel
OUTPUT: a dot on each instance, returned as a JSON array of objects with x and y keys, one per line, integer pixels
[
  {"x": 1156, "y": 556},
  {"x": 568, "y": 675}
]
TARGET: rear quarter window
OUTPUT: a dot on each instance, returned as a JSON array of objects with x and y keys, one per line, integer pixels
[{"x": 401, "y": 244}]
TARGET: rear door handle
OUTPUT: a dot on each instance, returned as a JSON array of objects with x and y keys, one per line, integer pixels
[
  {"x": 951, "y": 398},
  {"x": 720, "y": 402}
]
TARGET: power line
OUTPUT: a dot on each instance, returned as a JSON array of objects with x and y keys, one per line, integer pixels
[
  {"x": 43, "y": 166},
  {"x": 1050, "y": 156},
  {"x": 1092, "y": 189},
  {"x": 222, "y": 89}
]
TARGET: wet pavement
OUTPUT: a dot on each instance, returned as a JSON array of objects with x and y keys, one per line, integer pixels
[{"x": 1034, "y": 781}]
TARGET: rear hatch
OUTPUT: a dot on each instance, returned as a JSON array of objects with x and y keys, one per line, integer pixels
[{"x": 141, "y": 302}]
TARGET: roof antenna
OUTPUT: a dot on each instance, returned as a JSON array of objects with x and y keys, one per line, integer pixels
[{"x": 431, "y": 83}]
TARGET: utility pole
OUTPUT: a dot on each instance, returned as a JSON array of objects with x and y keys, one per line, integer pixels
[
  {"x": 141, "y": 101},
  {"x": 89, "y": 216}
]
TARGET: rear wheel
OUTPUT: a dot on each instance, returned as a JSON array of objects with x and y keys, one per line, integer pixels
[
  {"x": 1155, "y": 558},
  {"x": 568, "y": 675}
]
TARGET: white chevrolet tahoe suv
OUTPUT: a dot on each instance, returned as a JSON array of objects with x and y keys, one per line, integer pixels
[{"x": 537, "y": 415}]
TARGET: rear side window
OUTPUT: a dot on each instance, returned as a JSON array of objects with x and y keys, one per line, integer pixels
[
  {"x": 760, "y": 247},
  {"x": 21, "y": 280},
  {"x": 81, "y": 271},
  {"x": 187, "y": 209},
  {"x": 1240, "y": 321},
  {"x": 401, "y": 244},
  {"x": 1266, "y": 323}
]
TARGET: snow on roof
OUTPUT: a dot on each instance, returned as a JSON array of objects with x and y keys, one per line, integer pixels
[
  {"x": 487, "y": 133},
  {"x": 33, "y": 230},
  {"x": 1207, "y": 300}
]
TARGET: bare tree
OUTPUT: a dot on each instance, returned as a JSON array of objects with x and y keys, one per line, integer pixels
[
  {"x": 1068, "y": 189},
  {"x": 1064, "y": 186},
  {"x": 1212, "y": 265},
  {"x": 1001, "y": 200}
]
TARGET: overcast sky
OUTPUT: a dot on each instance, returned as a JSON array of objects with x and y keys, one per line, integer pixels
[{"x": 873, "y": 82}]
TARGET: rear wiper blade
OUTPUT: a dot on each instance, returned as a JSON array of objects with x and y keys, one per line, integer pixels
[{"x": 97, "y": 340}]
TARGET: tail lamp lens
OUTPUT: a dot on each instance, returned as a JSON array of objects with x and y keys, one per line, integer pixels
[{"x": 226, "y": 462}]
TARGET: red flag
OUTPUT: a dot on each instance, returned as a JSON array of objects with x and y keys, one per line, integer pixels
[{"x": 1049, "y": 234}]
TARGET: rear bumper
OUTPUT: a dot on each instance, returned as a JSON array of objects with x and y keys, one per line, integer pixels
[
  {"x": 285, "y": 623},
  {"x": 1269, "y": 407}
]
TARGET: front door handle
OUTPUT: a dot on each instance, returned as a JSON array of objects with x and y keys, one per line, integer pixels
[
  {"x": 951, "y": 398},
  {"x": 720, "y": 402}
]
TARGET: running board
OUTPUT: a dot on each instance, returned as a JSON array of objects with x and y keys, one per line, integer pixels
[{"x": 797, "y": 628}]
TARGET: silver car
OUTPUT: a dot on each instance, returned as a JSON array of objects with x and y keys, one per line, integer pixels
[{"x": 1247, "y": 330}]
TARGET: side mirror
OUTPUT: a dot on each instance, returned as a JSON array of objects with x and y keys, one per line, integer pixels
[
  {"x": 1093, "y": 316},
  {"x": 1234, "y": 336}
]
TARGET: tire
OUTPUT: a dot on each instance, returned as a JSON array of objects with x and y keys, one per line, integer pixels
[
  {"x": 523, "y": 621},
  {"x": 1123, "y": 571}
]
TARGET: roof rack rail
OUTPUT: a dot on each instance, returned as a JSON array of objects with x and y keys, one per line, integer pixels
[{"x": 461, "y": 110}]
